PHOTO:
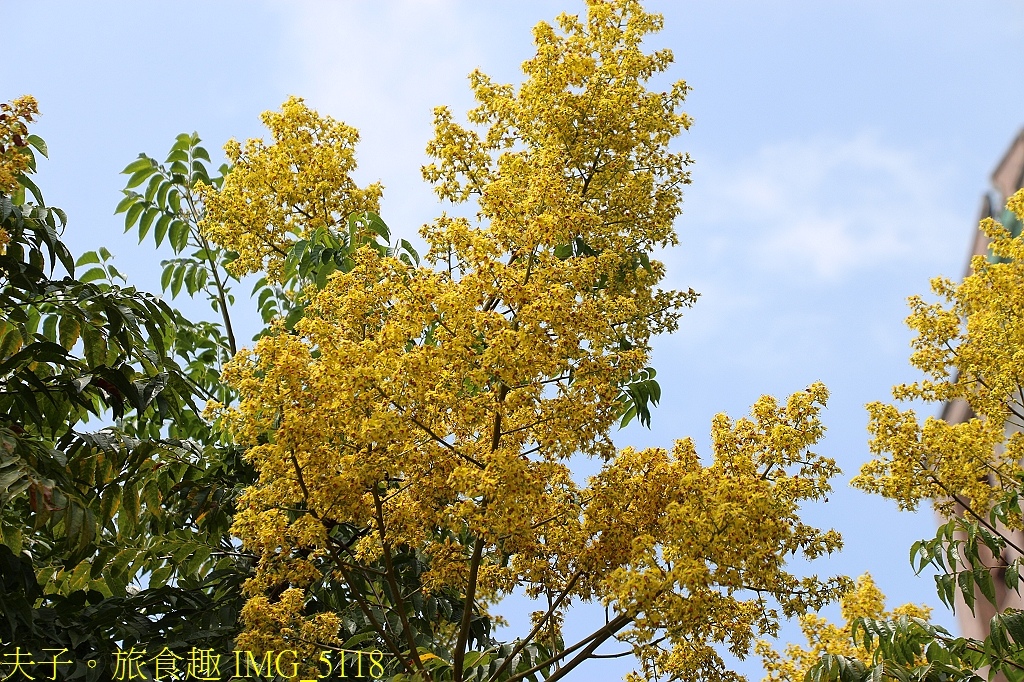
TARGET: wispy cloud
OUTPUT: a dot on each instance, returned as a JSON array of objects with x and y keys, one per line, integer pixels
[{"x": 828, "y": 208}]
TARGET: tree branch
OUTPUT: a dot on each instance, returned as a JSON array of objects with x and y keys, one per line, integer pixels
[
  {"x": 537, "y": 628},
  {"x": 389, "y": 570},
  {"x": 467, "y": 610},
  {"x": 597, "y": 638}
]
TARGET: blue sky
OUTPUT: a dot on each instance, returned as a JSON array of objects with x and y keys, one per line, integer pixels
[{"x": 841, "y": 151}]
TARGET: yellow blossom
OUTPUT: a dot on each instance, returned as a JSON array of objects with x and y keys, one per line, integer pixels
[
  {"x": 284, "y": 190},
  {"x": 14, "y": 119},
  {"x": 970, "y": 347},
  {"x": 437, "y": 409},
  {"x": 864, "y": 601}
]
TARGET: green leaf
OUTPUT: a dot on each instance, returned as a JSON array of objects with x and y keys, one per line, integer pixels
[
  {"x": 139, "y": 177},
  {"x": 87, "y": 258},
  {"x": 38, "y": 143},
  {"x": 197, "y": 559},
  {"x": 129, "y": 513},
  {"x": 152, "y": 187},
  {"x": 109, "y": 503},
  {"x": 161, "y": 227},
  {"x": 179, "y": 235},
  {"x": 147, "y": 220},
  {"x": 93, "y": 275},
  {"x": 177, "y": 279},
  {"x": 160, "y": 576},
  {"x": 61, "y": 215},
  {"x": 174, "y": 199},
  {"x": 129, "y": 199},
  {"x": 983, "y": 579},
  {"x": 1014, "y": 622},
  {"x": 50, "y": 328},
  {"x": 74, "y": 520},
  {"x": 177, "y": 154},
  {"x": 965, "y": 580},
  {"x": 139, "y": 164},
  {"x": 95, "y": 345},
  {"x": 165, "y": 278},
  {"x": 161, "y": 195},
  {"x": 944, "y": 587},
  {"x": 133, "y": 215},
  {"x": 27, "y": 183},
  {"x": 69, "y": 331},
  {"x": 1012, "y": 576}
]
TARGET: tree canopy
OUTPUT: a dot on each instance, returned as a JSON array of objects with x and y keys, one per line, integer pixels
[
  {"x": 395, "y": 452},
  {"x": 419, "y": 420}
]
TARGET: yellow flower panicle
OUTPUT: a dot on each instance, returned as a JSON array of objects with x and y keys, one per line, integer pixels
[
  {"x": 970, "y": 346},
  {"x": 14, "y": 119},
  {"x": 284, "y": 190},
  {"x": 864, "y": 601},
  {"x": 437, "y": 408}
]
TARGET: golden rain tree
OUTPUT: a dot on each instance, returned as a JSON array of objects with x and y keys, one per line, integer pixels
[
  {"x": 970, "y": 346},
  {"x": 427, "y": 415}
]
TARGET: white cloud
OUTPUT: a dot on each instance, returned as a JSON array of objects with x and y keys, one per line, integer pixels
[{"x": 828, "y": 207}]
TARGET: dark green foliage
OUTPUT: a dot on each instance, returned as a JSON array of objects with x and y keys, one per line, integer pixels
[
  {"x": 637, "y": 397},
  {"x": 87, "y": 516}
]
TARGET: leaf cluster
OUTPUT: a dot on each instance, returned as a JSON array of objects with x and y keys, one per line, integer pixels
[{"x": 88, "y": 516}]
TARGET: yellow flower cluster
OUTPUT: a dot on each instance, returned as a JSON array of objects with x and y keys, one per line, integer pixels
[
  {"x": 281, "y": 626},
  {"x": 14, "y": 119},
  {"x": 970, "y": 347},
  {"x": 864, "y": 601},
  {"x": 284, "y": 190},
  {"x": 438, "y": 407}
]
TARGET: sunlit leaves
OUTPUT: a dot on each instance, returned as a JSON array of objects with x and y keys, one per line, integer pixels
[{"x": 162, "y": 200}]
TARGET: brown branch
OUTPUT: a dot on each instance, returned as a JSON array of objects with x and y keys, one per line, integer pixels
[
  {"x": 621, "y": 654},
  {"x": 443, "y": 442},
  {"x": 963, "y": 503},
  {"x": 525, "y": 427},
  {"x": 496, "y": 431},
  {"x": 599, "y": 636},
  {"x": 554, "y": 517},
  {"x": 364, "y": 607},
  {"x": 989, "y": 388},
  {"x": 390, "y": 576},
  {"x": 302, "y": 482},
  {"x": 427, "y": 429},
  {"x": 467, "y": 610},
  {"x": 221, "y": 297},
  {"x": 474, "y": 565},
  {"x": 537, "y": 628},
  {"x": 589, "y": 650}
]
